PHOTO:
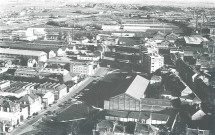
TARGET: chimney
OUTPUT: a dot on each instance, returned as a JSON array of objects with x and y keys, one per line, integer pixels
[{"x": 94, "y": 132}]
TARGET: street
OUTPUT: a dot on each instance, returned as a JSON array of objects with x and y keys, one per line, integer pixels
[{"x": 28, "y": 124}]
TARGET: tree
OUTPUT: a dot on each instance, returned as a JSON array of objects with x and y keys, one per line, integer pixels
[{"x": 53, "y": 23}]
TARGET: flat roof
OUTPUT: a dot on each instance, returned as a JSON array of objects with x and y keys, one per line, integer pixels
[{"x": 21, "y": 52}]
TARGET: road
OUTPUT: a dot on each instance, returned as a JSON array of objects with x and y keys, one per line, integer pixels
[{"x": 28, "y": 124}]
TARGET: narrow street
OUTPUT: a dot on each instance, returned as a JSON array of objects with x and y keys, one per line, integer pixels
[{"x": 28, "y": 124}]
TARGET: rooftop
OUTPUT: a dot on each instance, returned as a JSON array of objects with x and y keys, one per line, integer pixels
[
  {"x": 155, "y": 102},
  {"x": 195, "y": 39},
  {"x": 134, "y": 86},
  {"x": 21, "y": 52}
]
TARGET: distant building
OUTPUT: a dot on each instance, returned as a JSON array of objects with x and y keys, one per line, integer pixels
[
  {"x": 39, "y": 56},
  {"x": 145, "y": 129},
  {"x": 191, "y": 131},
  {"x": 83, "y": 68},
  {"x": 4, "y": 84},
  {"x": 152, "y": 62},
  {"x": 157, "y": 119},
  {"x": 150, "y": 104},
  {"x": 9, "y": 113},
  {"x": 172, "y": 37},
  {"x": 130, "y": 93},
  {"x": 33, "y": 102},
  {"x": 88, "y": 57},
  {"x": 196, "y": 41},
  {"x": 59, "y": 90},
  {"x": 48, "y": 99},
  {"x": 26, "y": 72},
  {"x": 106, "y": 127},
  {"x": 159, "y": 37}
]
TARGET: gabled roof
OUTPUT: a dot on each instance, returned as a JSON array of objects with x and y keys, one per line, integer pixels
[
  {"x": 9, "y": 104},
  {"x": 145, "y": 128},
  {"x": 137, "y": 87},
  {"x": 172, "y": 36},
  {"x": 192, "y": 131},
  {"x": 60, "y": 87},
  {"x": 198, "y": 115},
  {"x": 1, "y": 101},
  {"x": 119, "y": 128},
  {"x": 29, "y": 98},
  {"x": 104, "y": 125},
  {"x": 134, "y": 86}
]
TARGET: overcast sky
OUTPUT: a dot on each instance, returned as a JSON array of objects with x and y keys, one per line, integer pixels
[{"x": 144, "y": 2}]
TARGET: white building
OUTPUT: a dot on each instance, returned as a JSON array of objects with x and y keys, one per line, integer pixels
[
  {"x": 54, "y": 71},
  {"x": 33, "y": 102},
  {"x": 88, "y": 57},
  {"x": 4, "y": 84},
  {"x": 83, "y": 68},
  {"x": 38, "y": 55},
  {"x": 48, "y": 98},
  {"x": 9, "y": 112},
  {"x": 152, "y": 61}
]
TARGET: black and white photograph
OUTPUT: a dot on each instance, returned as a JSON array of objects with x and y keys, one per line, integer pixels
[{"x": 107, "y": 67}]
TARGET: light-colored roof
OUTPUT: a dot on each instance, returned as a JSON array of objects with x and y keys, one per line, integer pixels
[
  {"x": 48, "y": 94},
  {"x": 195, "y": 40},
  {"x": 21, "y": 52},
  {"x": 138, "y": 87},
  {"x": 198, "y": 115}
]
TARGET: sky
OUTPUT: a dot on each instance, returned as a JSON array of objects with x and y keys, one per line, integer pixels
[{"x": 205, "y": 3}]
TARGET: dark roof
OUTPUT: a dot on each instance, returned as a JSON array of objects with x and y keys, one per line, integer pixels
[
  {"x": 161, "y": 117},
  {"x": 190, "y": 96},
  {"x": 128, "y": 41},
  {"x": 75, "y": 111},
  {"x": 145, "y": 128},
  {"x": 204, "y": 124},
  {"x": 155, "y": 102},
  {"x": 104, "y": 125},
  {"x": 128, "y": 114}
]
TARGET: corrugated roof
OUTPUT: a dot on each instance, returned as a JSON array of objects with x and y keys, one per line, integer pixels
[{"x": 21, "y": 52}]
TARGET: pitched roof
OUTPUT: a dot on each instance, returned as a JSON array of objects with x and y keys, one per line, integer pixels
[
  {"x": 199, "y": 115},
  {"x": 104, "y": 125},
  {"x": 29, "y": 98},
  {"x": 192, "y": 131},
  {"x": 145, "y": 128},
  {"x": 9, "y": 104},
  {"x": 134, "y": 86},
  {"x": 138, "y": 87}
]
